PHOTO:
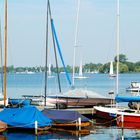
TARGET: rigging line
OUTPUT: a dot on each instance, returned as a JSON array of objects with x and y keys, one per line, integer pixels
[
  {"x": 58, "y": 46},
  {"x": 1, "y": 58},
  {"x": 46, "y": 59},
  {"x": 60, "y": 53},
  {"x": 51, "y": 20}
]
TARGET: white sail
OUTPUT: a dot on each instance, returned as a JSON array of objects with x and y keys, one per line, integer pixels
[
  {"x": 80, "y": 69},
  {"x": 111, "y": 71},
  {"x": 49, "y": 69},
  {"x": 111, "y": 68}
]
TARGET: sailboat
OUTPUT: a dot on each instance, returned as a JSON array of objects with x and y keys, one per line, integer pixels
[
  {"x": 111, "y": 71},
  {"x": 50, "y": 72},
  {"x": 25, "y": 117},
  {"x": 111, "y": 112},
  {"x": 80, "y": 76},
  {"x": 76, "y": 97},
  {"x": 124, "y": 117}
]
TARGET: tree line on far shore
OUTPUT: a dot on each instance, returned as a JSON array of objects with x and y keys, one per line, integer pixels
[{"x": 124, "y": 67}]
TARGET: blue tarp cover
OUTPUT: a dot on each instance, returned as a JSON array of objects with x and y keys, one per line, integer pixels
[
  {"x": 24, "y": 117},
  {"x": 63, "y": 116},
  {"x": 127, "y": 98}
]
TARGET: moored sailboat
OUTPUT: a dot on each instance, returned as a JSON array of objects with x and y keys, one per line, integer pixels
[
  {"x": 66, "y": 118},
  {"x": 25, "y": 117},
  {"x": 67, "y": 99},
  {"x": 111, "y": 112},
  {"x": 124, "y": 116}
]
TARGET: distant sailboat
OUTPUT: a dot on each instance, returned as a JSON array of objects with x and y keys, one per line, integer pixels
[
  {"x": 76, "y": 45},
  {"x": 80, "y": 72},
  {"x": 111, "y": 71},
  {"x": 49, "y": 69},
  {"x": 50, "y": 72}
]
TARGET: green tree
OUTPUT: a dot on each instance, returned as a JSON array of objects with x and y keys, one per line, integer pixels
[
  {"x": 123, "y": 68},
  {"x": 122, "y": 58},
  {"x": 131, "y": 66},
  {"x": 137, "y": 69}
]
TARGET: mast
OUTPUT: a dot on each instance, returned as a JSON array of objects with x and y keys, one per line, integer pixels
[
  {"x": 1, "y": 63},
  {"x": 54, "y": 46},
  {"x": 75, "y": 43},
  {"x": 118, "y": 45},
  {"x": 5, "y": 52},
  {"x": 46, "y": 59}
]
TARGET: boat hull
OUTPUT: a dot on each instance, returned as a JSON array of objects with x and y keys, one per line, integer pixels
[
  {"x": 65, "y": 101},
  {"x": 127, "y": 118},
  {"x": 133, "y": 89},
  {"x": 105, "y": 113},
  {"x": 86, "y": 102},
  {"x": 129, "y": 121},
  {"x": 71, "y": 125},
  {"x": 3, "y": 126}
]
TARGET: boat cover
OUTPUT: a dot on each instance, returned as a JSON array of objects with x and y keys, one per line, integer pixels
[
  {"x": 63, "y": 116},
  {"x": 127, "y": 98},
  {"x": 24, "y": 117},
  {"x": 19, "y": 101}
]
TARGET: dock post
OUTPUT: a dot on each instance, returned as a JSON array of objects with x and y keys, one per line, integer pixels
[
  {"x": 79, "y": 122},
  {"x": 122, "y": 120},
  {"x": 36, "y": 126}
]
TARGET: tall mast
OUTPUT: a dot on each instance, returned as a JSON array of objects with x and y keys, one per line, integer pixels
[
  {"x": 55, "y": 53},
  {"x": 5, "y": 52},
  {"x": 75, "y": 43},
  {"x": 118, "y": 45},
  {"x": 46, "y": 59},
  {"x": 1, "y": 63}
]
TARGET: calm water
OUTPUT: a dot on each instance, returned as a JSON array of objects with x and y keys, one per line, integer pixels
[{"x": 21, "y": 84}]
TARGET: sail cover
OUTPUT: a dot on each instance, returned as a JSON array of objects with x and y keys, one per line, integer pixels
[
  {"x": 64, "y": 116},
  {"x": 127, "y": 99},
  {"x": 24, "y": 117}
]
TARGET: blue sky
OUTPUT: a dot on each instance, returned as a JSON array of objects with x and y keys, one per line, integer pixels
[{"x": 97, "y": 30}]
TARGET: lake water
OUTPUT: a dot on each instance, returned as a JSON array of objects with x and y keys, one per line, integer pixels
[{"x": 33, "y": 84}]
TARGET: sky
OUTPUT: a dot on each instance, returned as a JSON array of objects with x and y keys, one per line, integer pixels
[{"x": 96, "y": 31}]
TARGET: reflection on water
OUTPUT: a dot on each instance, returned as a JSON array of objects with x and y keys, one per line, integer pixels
[
  {"x": 29, "y": 136},
  {"x": 98, "y": 132}
]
